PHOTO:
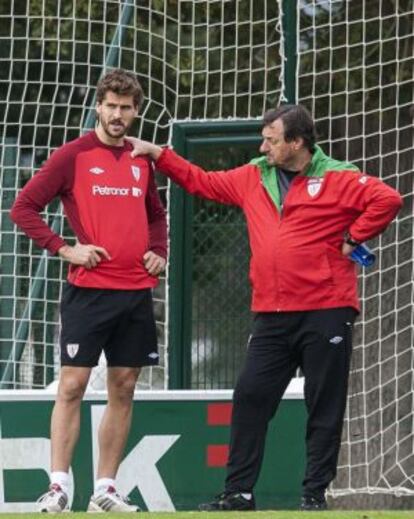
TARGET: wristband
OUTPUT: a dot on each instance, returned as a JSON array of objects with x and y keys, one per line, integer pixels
[{"x": 350, "y": 241}]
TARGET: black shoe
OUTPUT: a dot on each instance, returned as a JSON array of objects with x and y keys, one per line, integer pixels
[
  {"x": 228, "y": 501},
  {"x": 311, "y": 503}
]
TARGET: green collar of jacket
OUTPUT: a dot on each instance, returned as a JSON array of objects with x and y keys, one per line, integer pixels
[{"x": 319, "y": 165}]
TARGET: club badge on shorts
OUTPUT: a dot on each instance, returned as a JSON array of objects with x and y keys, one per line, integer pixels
[
  {"x": 136, "y": 172},
  {"x": 314, "y": 186},
  {"x": 72, "y": 349}
]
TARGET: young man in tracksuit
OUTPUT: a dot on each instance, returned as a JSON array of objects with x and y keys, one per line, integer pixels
[
  {"x": 112, "y": 205},
  {"x": 305, "y": 213}
]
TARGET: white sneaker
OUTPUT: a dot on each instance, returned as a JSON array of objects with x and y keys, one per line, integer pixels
[
  {"x": 111, "y": 501},
  {"x": 53, "y": 501}
]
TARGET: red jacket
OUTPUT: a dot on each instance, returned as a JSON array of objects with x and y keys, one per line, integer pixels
[
  {"x": 110, "y": 200},
  {"x": 296, "y": 262}
]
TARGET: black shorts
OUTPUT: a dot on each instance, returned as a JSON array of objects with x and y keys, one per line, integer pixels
[{"x": 119, "y": 322}]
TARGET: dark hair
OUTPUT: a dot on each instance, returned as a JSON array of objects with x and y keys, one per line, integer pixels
[
  {"x": 297, "y": 122},
  {"x": 122, "y": 83}
]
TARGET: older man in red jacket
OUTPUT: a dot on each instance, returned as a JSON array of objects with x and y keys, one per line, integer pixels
[{"x": 305, "y": 214}]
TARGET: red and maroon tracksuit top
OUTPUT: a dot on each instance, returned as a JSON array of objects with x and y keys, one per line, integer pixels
[{"x": 109, "y": 199}]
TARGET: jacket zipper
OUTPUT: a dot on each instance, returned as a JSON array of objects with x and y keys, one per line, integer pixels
[
  {"x": 287, "y": 196},
  {"x": 282, "y": 205}
]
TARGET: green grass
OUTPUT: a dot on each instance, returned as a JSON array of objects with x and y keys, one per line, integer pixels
[{"x": 330, "y": 514}]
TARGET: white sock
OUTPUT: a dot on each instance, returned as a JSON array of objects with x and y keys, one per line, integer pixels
[
  {"x": 102, "y": 484},
  {"x": 61, "y": 479}
]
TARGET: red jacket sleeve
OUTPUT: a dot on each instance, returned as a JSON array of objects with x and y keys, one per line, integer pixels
[
  {"x": 157, "y": 220},
  {"x": 227, "y": 187},
  {"x": 377, "y": 202},
  {"x": 52, "y": 180}
]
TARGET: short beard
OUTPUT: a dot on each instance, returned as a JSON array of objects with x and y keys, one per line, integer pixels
[{"x": 105, "y": 128}]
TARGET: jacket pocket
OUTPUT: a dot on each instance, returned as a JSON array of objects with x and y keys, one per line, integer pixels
[{"x": 306, "y": 274}]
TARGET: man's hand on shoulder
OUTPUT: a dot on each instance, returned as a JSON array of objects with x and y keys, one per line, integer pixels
[
  {"x": 144, "y": 148},
  {"x": 153, "y": 263},
  {"x": 88, "y": 256}
]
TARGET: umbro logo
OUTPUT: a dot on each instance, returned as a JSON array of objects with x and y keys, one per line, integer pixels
[
  {"x": 336, "y": 340},
  {"x": 96, "y": 171},
  {"x": 363, "y": 179},
  {"x": 153, "y": 355}
]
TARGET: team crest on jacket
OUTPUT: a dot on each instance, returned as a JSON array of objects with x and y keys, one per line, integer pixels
[
  {"x": 136, "y": 172},
  {"x": 314, "y": 186}
]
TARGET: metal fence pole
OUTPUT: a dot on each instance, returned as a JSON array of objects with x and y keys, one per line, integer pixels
[
  {"x": 290, "y": 51},
  {"x": 7, "y": 249}
]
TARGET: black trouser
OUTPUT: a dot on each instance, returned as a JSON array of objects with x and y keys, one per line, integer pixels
[{"x": 318, "y": 341}]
